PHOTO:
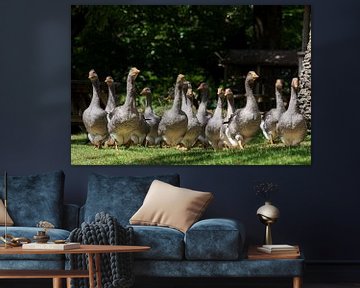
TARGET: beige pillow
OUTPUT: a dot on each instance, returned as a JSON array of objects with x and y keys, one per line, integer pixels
[
  {"x": 170, "y": 206},
  {"x": 9, "y": 221}
]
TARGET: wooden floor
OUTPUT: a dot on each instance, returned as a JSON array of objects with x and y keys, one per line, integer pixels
[{"x": 45, "y": 283}]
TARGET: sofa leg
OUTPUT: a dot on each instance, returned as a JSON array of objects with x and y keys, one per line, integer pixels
[
  {"x": 57, "y": 283},
  {"x": 297, "y": 282}
]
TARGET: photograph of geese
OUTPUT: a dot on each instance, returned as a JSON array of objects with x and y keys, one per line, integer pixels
[{"x": 191, "y": 85}]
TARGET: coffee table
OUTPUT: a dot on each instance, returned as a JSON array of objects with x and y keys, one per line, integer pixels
[{"x": 94, "y": 267}]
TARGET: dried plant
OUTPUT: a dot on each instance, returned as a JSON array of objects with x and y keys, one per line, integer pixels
[
  {"x": 265, "y": 189},
  {"x": 45, "y": 225}
]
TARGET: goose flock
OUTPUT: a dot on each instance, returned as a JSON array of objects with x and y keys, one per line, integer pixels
[{"x": 183, "y": 125}]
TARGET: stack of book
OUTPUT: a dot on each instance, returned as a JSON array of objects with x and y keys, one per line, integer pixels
[
  {"x": 273, "y": 252},
  {"x": 51, "y": 246},
  {"x": 279, "y": 249}
]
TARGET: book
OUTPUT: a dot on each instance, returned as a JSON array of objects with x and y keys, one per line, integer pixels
[
  {"x": 275, "y": 249},
  {"x": 255, "y": 254},
  {"x": 51, "y": 246}
]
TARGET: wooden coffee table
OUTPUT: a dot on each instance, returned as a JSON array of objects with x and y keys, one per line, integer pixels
[{"x": 94, "y": 267}]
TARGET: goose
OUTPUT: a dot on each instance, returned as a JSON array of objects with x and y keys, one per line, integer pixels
[
  {"x": 245, "y": 122},
  {"x": 230, "y": 111},
  {"x": 194, "y": 127},
  {"x": 111, "y": 102},
  {"x": 213, "y": 127},
  {"x": 202, "y": 115},
  {"x": 94, "y": 117},
  {"x": 110, "y": 106},
  {"x": 271, "y": 118},
  {"x": 173, "y": 124},
  {"x": 153, "y": 120},
  {"x": 292, "y": 127},
  {"x": 126, "y": 124}
]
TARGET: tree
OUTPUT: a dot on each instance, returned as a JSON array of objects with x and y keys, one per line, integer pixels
[{"x": 163, "y": 41}]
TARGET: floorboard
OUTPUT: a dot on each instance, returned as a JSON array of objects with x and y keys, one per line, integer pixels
[{"x": 46, "y": 283}]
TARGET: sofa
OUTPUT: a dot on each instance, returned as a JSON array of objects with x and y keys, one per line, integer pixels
[
  {"x": 32, "y": 199},
  {"x": 207, "y": 248}
]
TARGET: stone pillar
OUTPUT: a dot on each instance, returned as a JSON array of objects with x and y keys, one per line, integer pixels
[{"x": 305, "y": 85}]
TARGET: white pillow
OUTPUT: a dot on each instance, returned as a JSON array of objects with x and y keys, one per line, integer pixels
[{"x": 170, "y": 206}]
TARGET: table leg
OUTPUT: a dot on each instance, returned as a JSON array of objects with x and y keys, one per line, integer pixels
[
  {"x": 57, "y": 283},
  {"x": 91, "y": 270},
  {"x": 68, "y": 282},
  {"x": 297, "y": 282},
  {"x": 98, "y": 270}
]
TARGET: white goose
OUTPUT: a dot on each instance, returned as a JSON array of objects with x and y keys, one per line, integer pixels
[
  {"x": 126, "y": 124},
  {"x": 173, "y": 124},
  {"x": 292, "y": 127},
  {"x": 245, "y": 122},
  {"x": 153, "y": 120},
  {"x": 94, "y": 117},
  {"x": 271, "y": 118},
  {"x": 194, "y": 127},
  {"x": 213, "y": 127}
]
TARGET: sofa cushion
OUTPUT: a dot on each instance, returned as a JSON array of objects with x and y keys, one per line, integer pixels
[
  {"x": 120, "y": 196},
  {"x": 35, "y": 198},
  {"x": 29, "y": 232},
  {"x": 9, "y": 221},
  {"x": 170, "y": 206},
  {"x": 214, "y": 239},
  {"x": 165, "y": 243}
]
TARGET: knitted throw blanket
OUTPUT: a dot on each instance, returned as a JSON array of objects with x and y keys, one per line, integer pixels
[{"x": 116, "y": 268}]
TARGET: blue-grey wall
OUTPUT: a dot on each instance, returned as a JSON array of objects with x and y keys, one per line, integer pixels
[{"x": 318, "y": 204}]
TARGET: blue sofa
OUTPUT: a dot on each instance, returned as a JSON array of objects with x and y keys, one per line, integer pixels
[
  {"x": 32, "y": 199},
  {"x": 210, "y": 248}
]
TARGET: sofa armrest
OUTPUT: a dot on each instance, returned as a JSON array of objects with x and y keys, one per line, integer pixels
[
  {"x": 215, "y": 239},
  {"x": 71, "y": 216}
]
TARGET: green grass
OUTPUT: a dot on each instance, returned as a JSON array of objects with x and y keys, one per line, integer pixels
[{"x": 256, "y": 152}]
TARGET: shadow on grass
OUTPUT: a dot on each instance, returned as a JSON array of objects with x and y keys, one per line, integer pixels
[{"x": 256, "y": 152}]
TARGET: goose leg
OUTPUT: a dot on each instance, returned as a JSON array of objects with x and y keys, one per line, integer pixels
[
  {"x": 232, "y": 141},
  {"x": 271, "y": 139}
]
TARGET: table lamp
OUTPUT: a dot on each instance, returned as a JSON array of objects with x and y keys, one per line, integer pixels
[{"x": 268, "y": 214}]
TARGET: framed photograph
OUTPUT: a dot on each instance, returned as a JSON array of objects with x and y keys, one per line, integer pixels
[{"x": 191, "y": 85}]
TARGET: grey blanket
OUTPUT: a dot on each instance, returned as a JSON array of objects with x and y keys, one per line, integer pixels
[{"x": 116, "y": 268}]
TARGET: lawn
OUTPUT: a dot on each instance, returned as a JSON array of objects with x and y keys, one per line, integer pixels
[{"x": 256, "y": 152}]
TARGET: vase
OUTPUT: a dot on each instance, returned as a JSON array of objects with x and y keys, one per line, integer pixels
[
  {"x": 268, "y": 214},
  {"x": 41, "y": 237}
]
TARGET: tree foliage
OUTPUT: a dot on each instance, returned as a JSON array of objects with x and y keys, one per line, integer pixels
[{"x": 163, "y": 41}]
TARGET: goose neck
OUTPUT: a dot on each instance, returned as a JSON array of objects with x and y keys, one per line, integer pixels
[
  {"x": 130, "y": 91},
  {"x": 218, "y": 109},
  {"x": 279, "y": 100},
  {"x": 177, "y": 97},
  {"x": 148, "y": 100},
  {"x": 111, "y": 103},
  {"x": 230, "y": 106},
  {"x": 95, "y": 100},
  {"x": 250, "y": 98},
  {"x": 293, "y": 100}
]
